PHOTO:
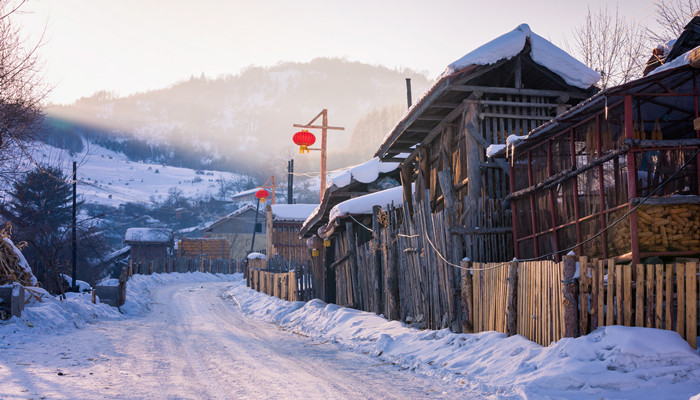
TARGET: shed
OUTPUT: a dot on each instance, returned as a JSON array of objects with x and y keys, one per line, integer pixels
[
  {"x": 149, "y": 243},
  {"x": 616, "y": 176}
]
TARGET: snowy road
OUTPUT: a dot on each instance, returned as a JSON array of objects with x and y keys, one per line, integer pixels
[{"x": 196, "y": 345}]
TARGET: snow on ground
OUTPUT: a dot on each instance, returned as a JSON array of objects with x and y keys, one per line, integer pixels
[
  {"x": 108, "y": 177},
  {"x": 612, "y": 362},
  {"x": 194, "y": 335}
]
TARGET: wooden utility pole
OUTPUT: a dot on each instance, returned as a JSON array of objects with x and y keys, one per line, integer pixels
[
  {"x": 324, "y": 131},
  {"x": 74, "y": 238}
]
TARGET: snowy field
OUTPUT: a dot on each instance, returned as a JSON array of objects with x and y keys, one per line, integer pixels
[{"x": 208, "y": 336}]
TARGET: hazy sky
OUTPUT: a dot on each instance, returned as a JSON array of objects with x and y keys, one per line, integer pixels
[{"x": 127, "y": 46}]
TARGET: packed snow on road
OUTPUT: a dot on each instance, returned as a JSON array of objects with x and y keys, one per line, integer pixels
[{"x": 203, "y": 336}]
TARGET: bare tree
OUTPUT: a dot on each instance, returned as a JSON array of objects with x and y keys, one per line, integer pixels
[
  {"x": 672, "y": 18},
  {"x": 610, "y": 45},
  {"x": 21, "y": 89}
]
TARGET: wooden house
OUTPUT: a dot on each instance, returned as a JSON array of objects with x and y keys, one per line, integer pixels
[
  {"x": 454, "y": 195},
  {"x": 506, "y": 87},
  {"x": 238, "y": 227},
  {"x": 149, "y": 243},
  {"x": 368, "y": 177},
  {"x": 283, "y": 223},
  {"x": 615, "y": 177}
]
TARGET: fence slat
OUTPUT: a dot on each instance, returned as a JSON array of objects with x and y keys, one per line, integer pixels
[
  {"x": 658, "y": 307},
  {"x": 627, "y": 295},
  {"x": 691, "y": 291},
  {"x": 680, "y": 312}
]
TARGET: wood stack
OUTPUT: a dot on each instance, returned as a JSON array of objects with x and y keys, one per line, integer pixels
[
  {"x": 10, "y": 268},
  {"x": 619, "y": 236},
  {"x": 669, "y": 228}
]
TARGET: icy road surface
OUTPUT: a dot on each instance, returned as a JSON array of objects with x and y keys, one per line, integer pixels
[{"x": 196, "y": 345}]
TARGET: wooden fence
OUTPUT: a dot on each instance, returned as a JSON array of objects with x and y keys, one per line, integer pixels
[
  {"x": 187, "y": 264},
  {"x": 653, "y": 296},
  {"x": 293, "y": 285}
]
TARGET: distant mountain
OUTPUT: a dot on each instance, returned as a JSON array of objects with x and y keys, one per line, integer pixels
[{"x": 240, "y": 122}]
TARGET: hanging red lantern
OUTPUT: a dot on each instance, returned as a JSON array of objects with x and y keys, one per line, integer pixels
[
  {"x": 304, "y": 139},
  {"x": 262, "y": 194}
]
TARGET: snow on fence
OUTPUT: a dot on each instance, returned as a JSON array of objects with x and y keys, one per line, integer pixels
[{"x": 186, "y": 264}]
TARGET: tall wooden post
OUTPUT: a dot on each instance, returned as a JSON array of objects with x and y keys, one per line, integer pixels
[
  {"x": 324, "y": 131},
  {"x": 269, "y": 233}
]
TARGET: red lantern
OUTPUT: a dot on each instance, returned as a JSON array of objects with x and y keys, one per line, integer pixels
[
  {"x": 262, "y": 194},
  {"x": 314, "y": 243},
  {"x": 304, "y": 139}
]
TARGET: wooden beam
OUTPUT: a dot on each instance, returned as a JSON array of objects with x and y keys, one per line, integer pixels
[
  {"x": 496, "y": 163},
  {"x": 515, "y": 116},
  {"x": 429, "y": 119},
  {"x": 665, "y": 201},
  {"x": 644, "y": 143},
  {"x": 337, "y": 128},
  {"x": 518, "y": 104},
  {"x": 514, "y": 91},
  {"x": 455, "y": 230}
]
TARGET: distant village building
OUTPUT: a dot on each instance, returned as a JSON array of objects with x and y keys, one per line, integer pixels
[
  {"x": 149, "y": 243},
  {"x": 237, "y": 228},
  {"x": 284, "y": 221}
]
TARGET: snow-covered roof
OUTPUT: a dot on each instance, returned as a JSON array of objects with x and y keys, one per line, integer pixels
[
  {"x": 257, "y": 256},
  {"x": 543, "y": 52},
  {"x": 679, "y": 61},
  {"x": 245, "y": 193},
  {"x": 366, "y": 172},
  {"x": 364, "y": 204},
  {"x": 292, "y": 212},
  {"x": 148, "y": 235}
]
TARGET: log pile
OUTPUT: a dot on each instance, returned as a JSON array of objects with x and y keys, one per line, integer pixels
[
  {"x": 10, "y": 268},
  {"x": 669, "y": 228}
]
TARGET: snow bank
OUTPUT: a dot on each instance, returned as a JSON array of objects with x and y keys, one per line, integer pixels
[
  {"x": 542, "y": 51},
  {"x": 612, "y": 362}
]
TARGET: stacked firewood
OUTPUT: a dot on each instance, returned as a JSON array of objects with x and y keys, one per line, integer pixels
[
  {"x": 10, "y": 268},
  {"x": 669, "y": 228}
]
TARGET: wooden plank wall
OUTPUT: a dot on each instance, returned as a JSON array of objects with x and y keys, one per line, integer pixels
[{"x": 285, "y": 239}]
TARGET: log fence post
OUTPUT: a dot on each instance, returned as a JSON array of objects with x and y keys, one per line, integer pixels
[
  {"x": 467, "y": 296},
  {"x": 570, "y": 289},
  {"x": 512, "y": 305}
]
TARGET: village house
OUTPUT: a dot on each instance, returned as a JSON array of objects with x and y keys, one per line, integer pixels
[
  {"x": 149, "y": 243},
  {"x": 454, "y": 195},
  {"x": 283, "y": 223},
  {"x": 238, "y": 229}
]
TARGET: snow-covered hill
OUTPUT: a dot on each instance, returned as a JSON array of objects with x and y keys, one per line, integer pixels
[{"x": 109, "y": 178}]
